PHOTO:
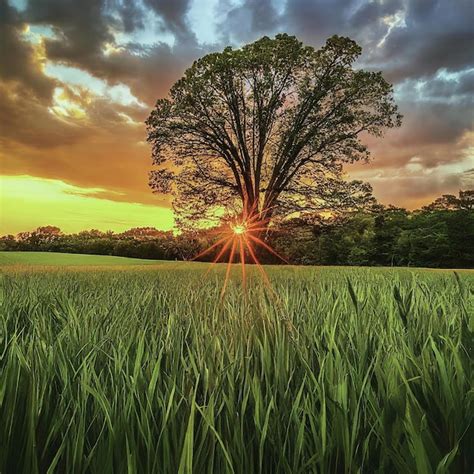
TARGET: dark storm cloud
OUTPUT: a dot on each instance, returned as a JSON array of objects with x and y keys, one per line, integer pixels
[
  {"x": 18, "y": 62},
  {"x": 442, "y": 88},
  {"x": 25, "y": 92},
  {"x": 370, "y": 13},
  {"x": 131, "y": 14},
  {"x": 151, "y": 73},
  {"x": 430, "y": 34},
  {"x": 82, "y": 27},
  {"x": 250, "y": 20},
  {"x": 174, "y": 16},
  {"x": 27, "y": 121},
  {"x": 438, "y": 34},
  {"x": 314, "y": 21}
]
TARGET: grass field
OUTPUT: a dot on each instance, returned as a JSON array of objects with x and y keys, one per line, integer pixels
[
  {"x": 146, "y": 370},
  {"x": 53, "y": 258}
]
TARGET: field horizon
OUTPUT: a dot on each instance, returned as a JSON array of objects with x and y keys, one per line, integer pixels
[{"x": 63, "y": 259}]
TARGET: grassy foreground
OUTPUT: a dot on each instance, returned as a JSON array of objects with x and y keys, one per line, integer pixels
[{"x": 146, "y": 370}]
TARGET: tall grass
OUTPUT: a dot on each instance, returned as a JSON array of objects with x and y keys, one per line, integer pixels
[{"x": 346, "y": 371}]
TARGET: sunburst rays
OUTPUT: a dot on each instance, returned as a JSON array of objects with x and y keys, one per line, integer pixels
[{"x": 241, "y": 236}]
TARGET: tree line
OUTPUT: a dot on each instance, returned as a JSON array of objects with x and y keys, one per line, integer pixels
[{"x": 439, "y": 235}]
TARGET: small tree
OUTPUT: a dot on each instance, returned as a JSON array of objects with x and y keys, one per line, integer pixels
[
  {"x": 264, "y": 130},
  {"x": 449, "y": 202},
  {"x": 43, "y": 237}
]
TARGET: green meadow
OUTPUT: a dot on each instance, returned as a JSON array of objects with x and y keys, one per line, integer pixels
[
  {"x": 68, "y": 259},
  {"x": 109, "y": 366}
]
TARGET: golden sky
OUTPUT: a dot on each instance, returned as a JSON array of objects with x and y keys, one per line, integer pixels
[
  {"x": 77, "y": 81},
  {"x": 29, "y": 202}
]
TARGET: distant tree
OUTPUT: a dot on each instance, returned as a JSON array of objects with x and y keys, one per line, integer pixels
[
  {"x": 297, "y": 241},
  {"x": 47, "y": 234},
  {"x": 145, "y": 233},
  {"x": 44, "y": 237},
  {"x": 8, "y": 242},
  {"x": 426, "y": 242},
  {"x": 449, "y": 202},
  {"x": 187, "y": 245},
  {"x": 460, "y": 233},
  {"x": 466, "y": 200},
  {"x": 264, "y": 130},
  {"x": 389, "y": 223},
  {"x": 438, "y": 236},
  {"x": 90, "y": 234}
]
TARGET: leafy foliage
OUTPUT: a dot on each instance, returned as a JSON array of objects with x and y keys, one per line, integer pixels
[
  {"x": 388, "y": 237},
  {"x": 266, "y": 129}
]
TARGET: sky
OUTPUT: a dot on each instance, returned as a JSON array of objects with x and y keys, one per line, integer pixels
[{"x": 78, "y": 79}]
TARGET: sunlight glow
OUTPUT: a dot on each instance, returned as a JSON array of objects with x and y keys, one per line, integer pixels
[
  {"x": 239, "y": 229},
  {"x": 242, "y": 237},
  {"x": 118, "y": 93},
  {"x": 65, "y": 107},
  {"x": 27, "y": 202}
]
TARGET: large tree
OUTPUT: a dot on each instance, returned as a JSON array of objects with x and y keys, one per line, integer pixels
[{"x": 265, "y": 130}]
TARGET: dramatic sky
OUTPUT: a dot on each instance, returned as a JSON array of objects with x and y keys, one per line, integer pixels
[{"x": 78, "y": 78}]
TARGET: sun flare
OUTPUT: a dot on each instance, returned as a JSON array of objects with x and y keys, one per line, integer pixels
[
  {"x": 239, "y": 229},
  {"x": 241, "y": 241}
]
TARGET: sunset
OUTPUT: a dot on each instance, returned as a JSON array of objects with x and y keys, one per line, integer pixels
[
  {"x": 29, "y": 202},
  {"x": 236, "y": 236},
  {"x": 80, "y": 80}
]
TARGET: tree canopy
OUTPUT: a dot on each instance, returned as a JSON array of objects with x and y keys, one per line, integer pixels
[{"x": 265, "y": 129}]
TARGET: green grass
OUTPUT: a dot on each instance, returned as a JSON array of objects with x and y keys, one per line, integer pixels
[
  {"x": 146, "y": 370},
  {"x": 53, "y": 258}
]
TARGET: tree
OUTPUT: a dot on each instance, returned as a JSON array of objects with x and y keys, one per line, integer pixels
[
  {"x": 389, "y": 223},
  {"x": 146, "y": 233},
  {"x": 45, "y": 237},
  {"x": 264, "y": 130},
  {"x": 449, "y": 202},
  {"x": 466, "y": 200},
  {"x": 8, "y": 242}
]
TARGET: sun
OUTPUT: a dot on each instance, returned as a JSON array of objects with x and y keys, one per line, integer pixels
[
  {"x": 239, "y": 229},
  {"x": 241, "y": 238}
]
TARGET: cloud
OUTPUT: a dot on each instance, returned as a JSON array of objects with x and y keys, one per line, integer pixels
[
  {"x": 82, "y": 27},
  {"x": 413, "y": 185},
  {"x": 81, "y": 77},
  {"x": 21, "y": 61},
  {"x": 26, "y": 120},
  {"x": 405, "y": 38},
  {"x": 437, "y": 34},
  {"x": 249, "y": 20},
  {"x": 174, "y": 16}
]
